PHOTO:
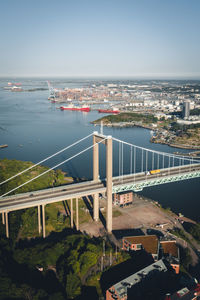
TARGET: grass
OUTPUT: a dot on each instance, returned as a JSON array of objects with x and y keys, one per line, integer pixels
[
  {"x": 180, "y": 233},
  {"x": 56, "y": 218},
  {"x": 116, "y": 213}
]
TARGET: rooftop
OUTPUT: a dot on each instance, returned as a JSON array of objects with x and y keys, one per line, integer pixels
[
  {"x": 149, "y": 242},
  {"x": 121, "y": 287},
  {"x": 169, "y": 247}
]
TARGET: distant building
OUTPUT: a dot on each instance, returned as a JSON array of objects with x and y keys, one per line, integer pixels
[
  {"x": 186, "y": 109},
  {"x": 123, "y": 199},
  {"x": 130, "y": 287}
]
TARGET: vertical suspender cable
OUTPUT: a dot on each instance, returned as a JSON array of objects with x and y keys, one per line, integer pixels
[
  {"x": 131, "y": 161},
  {"x": 119, "y": 160},
  {"x": 122, "y": 160},
  {"x": 163, "y": 161},
  {"x": 158, "y": 161},
  {"x": 134, "y": 162},
  {"x": 146, "y": 160},
  {"x": 169, "y": 165},
  {"x": 152, "y": 160},
  {"x": 142, "y": 162}
]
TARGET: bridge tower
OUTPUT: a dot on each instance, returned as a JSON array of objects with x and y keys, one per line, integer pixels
[{"x": 107, "y": 141}]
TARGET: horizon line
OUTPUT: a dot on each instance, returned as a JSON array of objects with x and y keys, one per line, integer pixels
[{"x": 133, "y": 77}]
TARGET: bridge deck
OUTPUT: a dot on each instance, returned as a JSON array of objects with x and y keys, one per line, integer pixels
[{"x": 133, "y": 182}]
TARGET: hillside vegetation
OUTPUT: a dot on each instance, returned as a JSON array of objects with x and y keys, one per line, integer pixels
[
  {"x": 127, "y": 117},
  {"x": 23, "y": 223}
]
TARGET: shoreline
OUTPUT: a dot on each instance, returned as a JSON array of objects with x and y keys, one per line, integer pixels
[{"x": 152, "y": 140}]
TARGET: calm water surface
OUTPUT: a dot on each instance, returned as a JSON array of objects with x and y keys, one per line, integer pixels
[{"x": 34, "y": 128}]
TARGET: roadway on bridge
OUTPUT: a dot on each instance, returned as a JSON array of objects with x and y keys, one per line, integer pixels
[{"x": 51, "y": 195}]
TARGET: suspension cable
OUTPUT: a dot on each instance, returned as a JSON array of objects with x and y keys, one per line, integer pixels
[
  {"x": 66, "y": 160},
  {"x": 45, "y": 159},
  {"x": 158, "y": 152}
]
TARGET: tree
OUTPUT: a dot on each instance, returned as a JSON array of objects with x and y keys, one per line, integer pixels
[{"x": 73, "y": 285}]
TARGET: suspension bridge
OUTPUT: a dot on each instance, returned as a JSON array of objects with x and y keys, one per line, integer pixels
[{"x": 146, "y": 168}]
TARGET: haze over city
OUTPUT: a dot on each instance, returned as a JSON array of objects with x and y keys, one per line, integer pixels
[{"x": 139, "y": 39}]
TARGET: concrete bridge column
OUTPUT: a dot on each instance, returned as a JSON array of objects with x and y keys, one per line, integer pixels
[
  {"x": 71, "y": 214},
  {"x": 39, "y": 219},
  {"x": 95, "y": 177},
  {"x": 43, "y": 221},
  {"x": 96, "y": 207},
  {"x": 109, "y": 183},
  {"x": 7, "y": 225},
  {"x": 3, "y": 218},
  {"x": 77, "y": 218},
  {"x": 95, "y": 159}
]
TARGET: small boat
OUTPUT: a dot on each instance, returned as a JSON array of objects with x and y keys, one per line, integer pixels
[{"x": 3, "y": 146}]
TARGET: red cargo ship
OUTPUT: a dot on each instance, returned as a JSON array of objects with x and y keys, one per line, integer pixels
[
  {"x": 71, "y": 107},
  {"x": 114, "y": 110}
]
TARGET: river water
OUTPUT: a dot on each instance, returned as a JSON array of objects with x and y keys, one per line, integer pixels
[{"x": 34, "y": 128}]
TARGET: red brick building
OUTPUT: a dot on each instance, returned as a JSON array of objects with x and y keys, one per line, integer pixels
[
  {"x": 185, "y": 294},
  {"x": 126, "y": 288},
  {"x": 123, "y": 199},
  {"x": 171, "y": 253},
  {"x": 149, "y": 243}
]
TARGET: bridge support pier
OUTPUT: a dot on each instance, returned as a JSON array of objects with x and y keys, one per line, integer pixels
[
  {"x": 95, "y": 176},
  {"x": 109, "y": 184},
  {"x": 39, "y": 219},
  {"x": 71, "y": 214},
  {"x": 96, "y": 207},
  {"x": 108, "y": 143},
  {"x": 95, "y": 157},
  {"x": 3, "y": 218},
  {"x": 77, "y": 218},
  {"x": 7, "y": 225},
  {"x": 43, "y": 221}
]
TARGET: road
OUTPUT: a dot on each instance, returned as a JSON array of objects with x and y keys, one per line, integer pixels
[{"x": 77, "y": 190}]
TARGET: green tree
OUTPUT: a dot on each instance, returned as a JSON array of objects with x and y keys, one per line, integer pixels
[{"x": 73, "y": 285}]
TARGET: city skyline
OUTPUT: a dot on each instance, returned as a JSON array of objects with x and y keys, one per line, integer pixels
[{"x": 129, "y": 39}]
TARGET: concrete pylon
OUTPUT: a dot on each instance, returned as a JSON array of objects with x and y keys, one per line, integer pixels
[
  {"x": 109, "y": 183},
  {"x": 95, "y": 158},
  {"x": 71, "y": 214},
  {"x": 108, "y": 142},
  {"x": 96, "y": 207},
  {"x": 39, "y": 219},
  {"x": 7, "y": 225},
  {"x": 3, "y": 218},
  {"x": 95, "y": 176},
  {"x": 43, "y": 221},
  {"x": 77, "y": 218}
]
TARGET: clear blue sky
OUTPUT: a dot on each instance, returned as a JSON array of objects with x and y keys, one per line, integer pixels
[{"x": 85, "y": 38}]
